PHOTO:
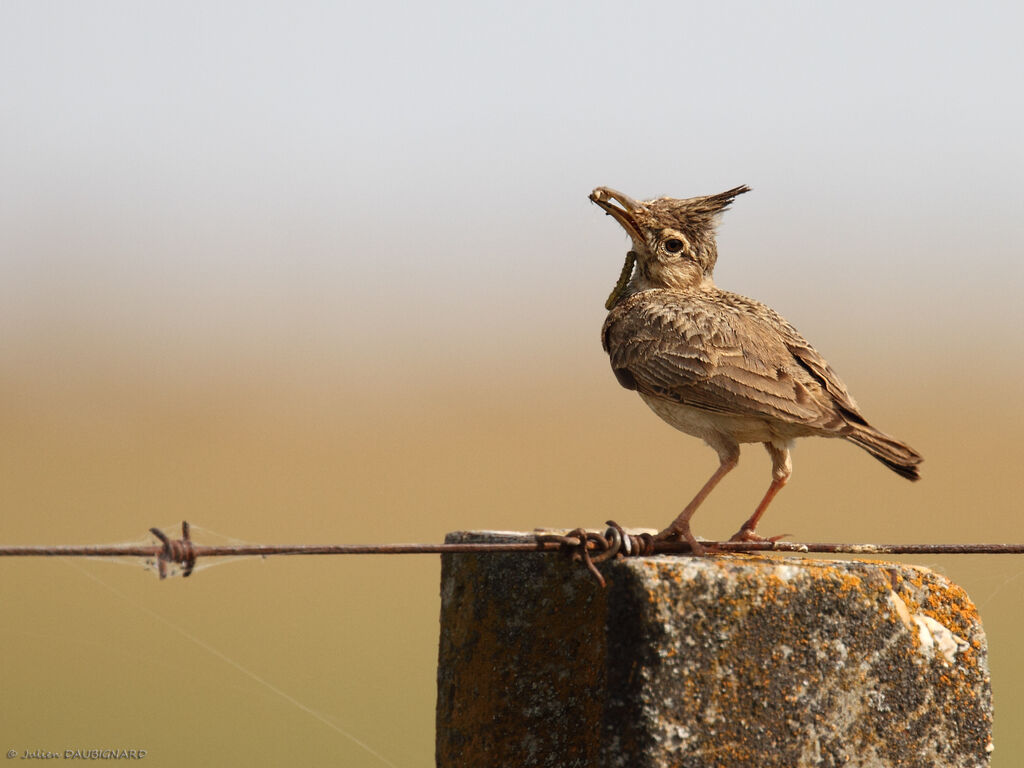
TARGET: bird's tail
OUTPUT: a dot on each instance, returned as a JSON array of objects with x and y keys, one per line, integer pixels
[{"x": 896, "y": 455}]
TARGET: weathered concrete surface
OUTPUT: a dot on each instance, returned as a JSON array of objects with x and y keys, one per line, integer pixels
[{"x": 719, "y": 661}]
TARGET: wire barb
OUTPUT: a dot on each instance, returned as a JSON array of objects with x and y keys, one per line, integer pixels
[
  {"x": 577, "y": 544},
  {"x": 615, "y": 542},
  {"x": 180, "y": 552}
]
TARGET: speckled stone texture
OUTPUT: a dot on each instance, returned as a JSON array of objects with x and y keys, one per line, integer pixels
[{"x": 718, "y": 661}]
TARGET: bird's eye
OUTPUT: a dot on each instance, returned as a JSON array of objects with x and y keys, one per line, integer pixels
[{"x": 673, "y": 245}]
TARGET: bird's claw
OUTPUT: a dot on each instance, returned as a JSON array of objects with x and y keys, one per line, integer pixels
[
  {"x": 747, "y": 534},
  {"x": 676, "y": 534}
]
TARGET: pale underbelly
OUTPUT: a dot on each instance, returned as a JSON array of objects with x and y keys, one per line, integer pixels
[{"x": 707, "y": 424}]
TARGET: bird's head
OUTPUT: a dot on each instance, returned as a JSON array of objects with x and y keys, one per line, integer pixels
[{"x": 673, "y": 240}]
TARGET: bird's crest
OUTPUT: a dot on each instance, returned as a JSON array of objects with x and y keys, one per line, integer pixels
[{"x": 695, "y": 211}]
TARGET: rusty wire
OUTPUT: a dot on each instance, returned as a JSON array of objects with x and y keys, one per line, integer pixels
[{"x": 587, "y": 546}]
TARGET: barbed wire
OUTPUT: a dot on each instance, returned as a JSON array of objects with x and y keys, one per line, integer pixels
[{"x": 590, "y": 547}]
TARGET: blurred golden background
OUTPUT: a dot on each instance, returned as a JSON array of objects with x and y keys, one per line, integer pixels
[{"x": 329, "y": 275}]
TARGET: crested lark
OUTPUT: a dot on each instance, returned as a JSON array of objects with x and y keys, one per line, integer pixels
[{"x": 716, "y": 365}]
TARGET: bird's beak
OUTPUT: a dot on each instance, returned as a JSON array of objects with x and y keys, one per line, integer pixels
[
  {"x": 625, "y": 214},
  {"x": 622, "y": 213}
]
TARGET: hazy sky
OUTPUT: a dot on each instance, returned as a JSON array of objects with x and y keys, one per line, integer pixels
[{"x": 409, "y": 174}]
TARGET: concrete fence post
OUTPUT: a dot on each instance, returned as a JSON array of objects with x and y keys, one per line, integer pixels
[{"x": 725, "y": 661}]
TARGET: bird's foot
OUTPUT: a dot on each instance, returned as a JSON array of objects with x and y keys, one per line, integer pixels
[
  {"x": 747, "y": 534},
  {"x": 673, "y": 533}
]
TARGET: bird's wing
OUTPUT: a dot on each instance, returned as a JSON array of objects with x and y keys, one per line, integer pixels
[
  {"x": 819, "y": 369},
  {"x": 725, "y": 354}
]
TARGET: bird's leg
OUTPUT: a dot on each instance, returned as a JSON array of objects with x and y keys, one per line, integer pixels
[
  {"x": 729, "y": 456},
  {"x": 782, "y": 468}
]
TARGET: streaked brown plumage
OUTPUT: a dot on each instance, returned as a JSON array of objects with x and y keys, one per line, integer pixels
[{"x": 717, "y": 365}]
